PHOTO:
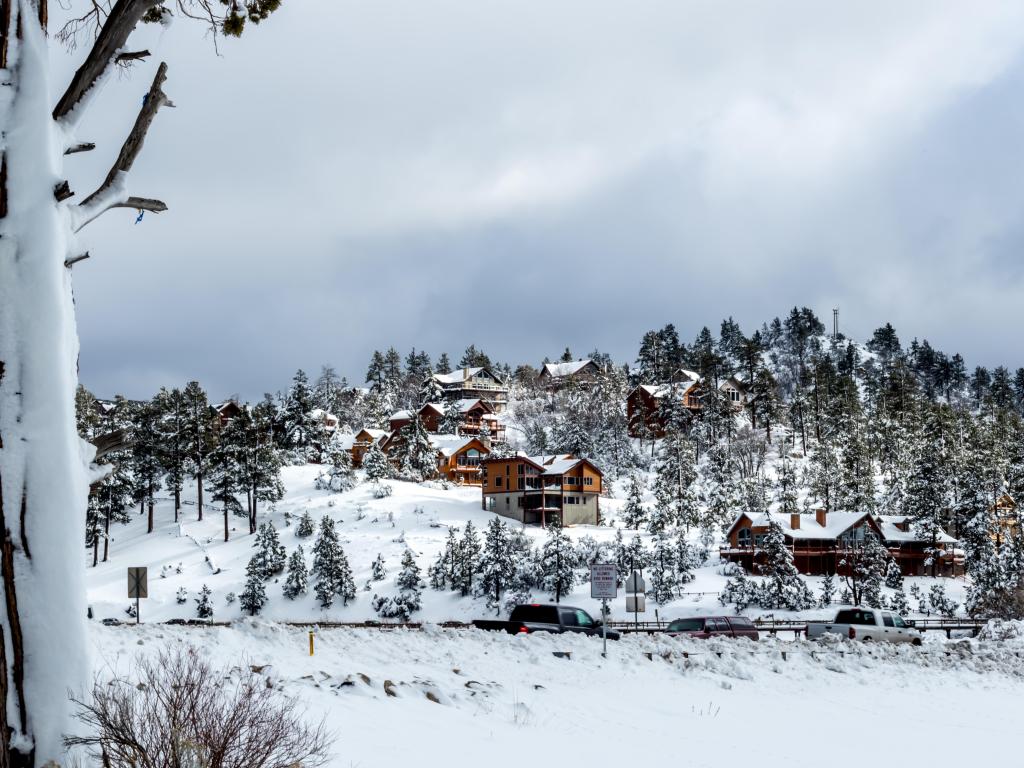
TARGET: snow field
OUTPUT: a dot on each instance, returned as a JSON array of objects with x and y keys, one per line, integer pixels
[{"x": 466, "y": 698}]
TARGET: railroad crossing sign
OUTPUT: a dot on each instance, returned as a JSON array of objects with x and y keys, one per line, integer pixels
[
  {"x": 138, "y": 586},
  {"x": 604, "y": 581}
]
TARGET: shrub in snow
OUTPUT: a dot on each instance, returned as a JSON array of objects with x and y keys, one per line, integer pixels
[
  {"x": 730, "y": 569},
  {"x": 899, "y": 603},
  {"x": 254, "y": 596},
  {"x": 739, "y": 591},
  {"x": 382, "y": 490},
  {"x": 940, "y": 603},
  {"x": 130, "y": 610},
  {"x": 204, "y": 606},
  {"x": 377, "y": 570},
  {"x": 305, "y": 527},
  {"x": 177, "y": 704},
  {"x": 297, "y": 582},
  {"x": 407, "y": 601},
  {"x": 230, "y": 597},
  {"x": 339, "y": 475},
  {"x": 182, "y": 596}
]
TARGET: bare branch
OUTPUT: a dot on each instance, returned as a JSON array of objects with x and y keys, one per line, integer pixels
[
  {"x": 127, "y": 58},
  {"x": 110, "y": 193},
  {"x": 119, "y": 24},
  {"x": 70, "y": 260},
  {"x": 111, "y": 441},
  {"x": 143, "y": 204},
  {"x": 86, "y": 146}
]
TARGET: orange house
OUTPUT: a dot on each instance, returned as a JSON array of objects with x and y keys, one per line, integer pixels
[{"x": 536, "y": 489}]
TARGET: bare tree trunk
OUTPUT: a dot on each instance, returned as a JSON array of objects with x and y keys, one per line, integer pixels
[
  {"x": 226, "y": 521},
  {"x": 177, "y": 503},
  {"x": 199, "y": 493},
  {"x": 106, "y": 536},
  {"x": 149, "y": 506}
]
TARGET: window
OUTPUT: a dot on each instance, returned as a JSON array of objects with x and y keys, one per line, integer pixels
[
  {"x": 470, "y": 458},
  {"x": 569, "y": 618},
  {"x": 686, "y": 625},
  {"x": 519, "y": 501},
  {"x": 897, "y": 621},
  {"x": 572, "y": 481},
  {"x": 734, "y": 395},
  {"x": 508, "y": 501},
  {"x": 497, "y": 481},
  {"x": 887, "y": 620},
  {"x": 489, "y": 503},
  {"x": 572, "y": 499},
  {"x": 583, "y": 619},
  {"x": 743, "y": 537},
  {"x": 588, "y": 481},
  {"x": 759, "y": 539}
]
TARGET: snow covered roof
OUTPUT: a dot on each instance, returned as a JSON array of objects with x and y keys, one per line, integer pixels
[
  {"x": 399, "y": 415},
  {"x": 892, "y": 530},
  {"x": 461, "y": 374},
  {"x": 373, "y": 434},
  {"x": 344, "y": 441},
  {"x": 836, "y": 523},
  {"x": 658, "y": 391},
  {"x": 449, "y": 445},
  {"x": 561, "y": 370}
]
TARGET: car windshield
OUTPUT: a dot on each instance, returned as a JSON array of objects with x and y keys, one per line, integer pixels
[{"x": 686, "y": 625}]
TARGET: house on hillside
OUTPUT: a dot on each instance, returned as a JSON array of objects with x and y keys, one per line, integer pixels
[
  {"x": 362, "y": 442},
  {"x": 538, "y": 489},
  {"x": 328, "y": 420},
  {"x": 226, "y": 411},
  {"x": 459, "y": 457},
  {"x": 555, "y": 376},
  {"x": 827, "y": 542},
  {"x": 474, "y": 384},
  {"x": 643, "y": 403},
  {"x": 474, "y": 415}
]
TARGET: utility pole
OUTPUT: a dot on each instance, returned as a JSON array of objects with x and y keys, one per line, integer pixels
[{"x": 835, "y": 323}]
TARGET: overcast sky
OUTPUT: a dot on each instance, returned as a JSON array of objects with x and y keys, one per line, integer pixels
[{"x": 530, "y": 175}]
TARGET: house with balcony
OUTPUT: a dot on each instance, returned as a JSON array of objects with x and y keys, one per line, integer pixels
[
  {"x": 828, "y": 542},
  {"x": 474, "y": 415},
  {"x": 459, "y": 458},
  {"x": 474, "y": 384},
  {"x": 362, "y": 441},
  {"x": 536, "y": 490},
  {"x": 555, "y": 376},
  {"x": 644, "y": 402}
]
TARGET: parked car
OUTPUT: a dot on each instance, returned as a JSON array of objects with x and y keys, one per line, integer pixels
[
  {"x": 713, "y": 626},
  {"x": 539, "y": 617},
  {"x": 868, "y": 624}
]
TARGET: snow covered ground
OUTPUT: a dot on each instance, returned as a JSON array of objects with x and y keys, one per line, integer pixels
[
  {"x": 191, "y": 554},
  {"x": 508, "y": 701}
]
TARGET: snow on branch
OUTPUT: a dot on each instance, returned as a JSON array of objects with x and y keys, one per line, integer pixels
[
  {"x": 111, "y": 193},
  {"x": 118, "y": 25}
]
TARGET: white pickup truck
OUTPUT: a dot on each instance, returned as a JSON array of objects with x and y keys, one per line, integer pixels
[{"x": 868, "y": 624}]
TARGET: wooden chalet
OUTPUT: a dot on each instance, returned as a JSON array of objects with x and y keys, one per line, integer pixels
[
  {"x": 226, "y": 411},
  {"x": 643, "y": 404},
  {"x": 474, "y": 384},
  {"x": 362, "y": 441},
  {"x": 555, "y": 376},
  {"x": 474, "y": 415},
  {"x": 328, "y": 420},
  {"x": 459, "y": 458},
  {"x": 822, "y": 541},
  {"x": 538, "y": 489}
]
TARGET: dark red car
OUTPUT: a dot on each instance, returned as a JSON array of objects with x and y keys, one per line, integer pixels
[{"x": 713, "y": 626}]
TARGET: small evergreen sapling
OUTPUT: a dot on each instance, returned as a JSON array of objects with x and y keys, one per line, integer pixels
[
  {"x": 828, "y": 591},
  {"x": 297, "y": 582},
  {"x": 271, "y": 554},
  {"x": 377, "y": 570},
  {"x": 204, "y": 604},
  {"x": 558, "y": 563},
  {"x": 182, "y": 596},
  {"x": 305, "y": 526},
  {"x": 254, "y": 596},
  {"x": 497, "y": 563},
  {"x": 468, "y": 559},
  {"x": 634, "y": 514},
  {"x": 376, "y": 464}
]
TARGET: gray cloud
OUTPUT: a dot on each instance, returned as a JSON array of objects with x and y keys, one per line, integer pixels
[{"x": 524, "y": 177}]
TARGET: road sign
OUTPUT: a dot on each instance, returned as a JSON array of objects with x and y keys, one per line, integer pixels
[
  {"x": 636, "y": 604},
  {"x": 138, "y": 582},
  {"x": 604, "y": 581},
  {"x": 635, "y": 583}
]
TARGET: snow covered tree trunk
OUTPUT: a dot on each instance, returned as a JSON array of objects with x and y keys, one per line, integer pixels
[{"x": 42, "y": 461}]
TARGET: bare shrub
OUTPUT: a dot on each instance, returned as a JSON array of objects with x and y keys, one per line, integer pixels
[{"x": 176, "y": 711}]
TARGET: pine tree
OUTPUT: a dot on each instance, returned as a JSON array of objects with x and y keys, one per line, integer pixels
[
  {"x": 330, "y": 566},
  {"x": 376, "y": 464},
  {"x": 634, "y": 514},
  {"x": 304, "y": 432},
  {"x": 259, "y": 459},
  {"x": 686, "y": 560},
  {"x": 663, "y": 578},
  {"x": 558, "y": 562},
  {"x": 200, "y": 436},
  {"x": 377, "y": 570},
  {"x": 297, "y": 582},
  {"x": 305, "y": 526},
  {"x": 674, "y": 498},
  {"x": 443, "y": 572},
  {"x": 451, "y": 422},
  {"x": 226, "y": 472},
  {"x": 739, "y": 591},
  {"x": 146, "y": 467},
  {"x": 270, "y": 554},
  {"x": 419, "y": 456},
  {"x": 339, "y": 476},
  {"x": 410, "y": 587},
  {"x": 467, "y": 560},
  {"x": 497, "y": 563},
  {"x": 893, "y": 575},
  {"x": 254, "y": 596},
  {"x": 828, "y": 591},
  {"x": 926, "y": 497},
  {"x": 171, "y": 427},
  {"x": 899, "y": 603},
  {"x": 866, "y": 568},
  {"x": 783, "y": 586},
  {"x": 786, "y": 487},
  {"x": 204, "y": 605}
]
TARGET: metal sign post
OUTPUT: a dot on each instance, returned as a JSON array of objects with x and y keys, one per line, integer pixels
[
  {"x": 138, "y": 587},
  {"x": 604, "y": 586},
  {"x": 635, "y": 600}
]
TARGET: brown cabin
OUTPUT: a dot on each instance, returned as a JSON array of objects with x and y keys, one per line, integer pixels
[
  {"x": 537, "y": 489},
  {"x": 554, "y": 376},
  {"x": 475, "y": 413},
  {"x": 361, "y": 443}
]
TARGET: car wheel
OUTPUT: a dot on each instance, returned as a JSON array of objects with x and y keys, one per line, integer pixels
[{"x": 916, "y": 642}]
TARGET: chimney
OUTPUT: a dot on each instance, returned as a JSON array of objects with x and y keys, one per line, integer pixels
[
  {"x": 794, "y": 521},
  {"x": 821, "y": 516},
  {"x": 465, "y": 373}
]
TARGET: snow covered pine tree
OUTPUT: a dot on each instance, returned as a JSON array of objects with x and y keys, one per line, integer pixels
[{"x": 43, "y": 477}]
